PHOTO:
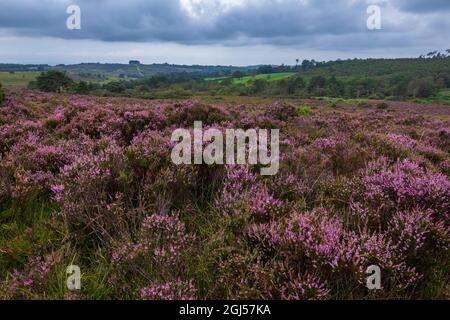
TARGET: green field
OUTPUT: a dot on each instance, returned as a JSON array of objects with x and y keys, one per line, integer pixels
[
  {"x": 247, "y": 79},
  {"x": 18, "y": 79},
  {"x": 442, "y": 97}
]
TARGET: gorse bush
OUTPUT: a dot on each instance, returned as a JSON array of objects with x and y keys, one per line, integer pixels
[{"x": 89, "y": 181}]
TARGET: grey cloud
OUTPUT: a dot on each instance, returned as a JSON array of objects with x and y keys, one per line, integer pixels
[
  {"x": 319, "y": 24},
  {"x": 423, "y": 6}
]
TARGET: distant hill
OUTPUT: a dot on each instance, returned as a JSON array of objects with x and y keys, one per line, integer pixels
[
  {"x": 405, "y": 78},
  {"x": 23, "y": 67},
  {"x": 378, "y": 68},
  {"x": 105, "y": 71}
]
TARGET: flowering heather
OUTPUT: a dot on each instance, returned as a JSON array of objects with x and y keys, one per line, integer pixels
[
  {"x": 280, "y": 111},
  {"x": 89, "y": 181},
  {"x": 33, "y": 278},
  {"x": 422, "y": 148},
  {"x": 304, "y": 287},
  {"x": 242, "y": 191},
  {"x": 160, "y": 244},
  {"x": 403, "y": 185},
  {"x": 175, "y": 290},
  {"x": 161, "y": 238}
]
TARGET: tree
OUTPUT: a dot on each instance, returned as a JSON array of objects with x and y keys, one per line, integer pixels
[
  {"x": 317, "y": 82},
  {"x": 237, "y": 74},
  {"x": 298, "y": 82},
  {"x": 226, "y": 81},
  {"x": 259, "y": 85},
  {"x": 421, "y": 88},
  {"x": 334, "y": 87},
  {"x": 399, "y": 86},
  {"x": 114, "y": 86},
  {"x": 81, "y": 87},
  {"x": 53, "y": 81},
  {"x": 307, "y": 65}
]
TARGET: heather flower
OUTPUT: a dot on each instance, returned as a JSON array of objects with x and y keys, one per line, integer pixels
[
  {"x": 423, "y": 148},
  {"x": 159, "y": 245},
  {"x": 281, "y": 111},
  {"x": 289, "y": 186},
  {"x": 173, "y": 290},
  {"x": 403, "y": 140},
  {"x": 91, "y": 193},
  {"x": 242, "y": 190},
  {"x": 410, "y": 229},
  {"x": 162, "y": 238},
  {"x": 405, "y": 185},
  {"x": 28, "y": 183},
  {"x": 314, "y": 235},
  {"x": 33, "y": 278},
  {"x": 303, "y": 287}
]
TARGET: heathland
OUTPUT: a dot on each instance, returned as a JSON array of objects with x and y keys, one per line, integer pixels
[{"x": 87, "y": 180}]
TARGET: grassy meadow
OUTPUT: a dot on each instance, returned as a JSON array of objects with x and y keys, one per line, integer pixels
[
  {"x": 17, "y": 79},
  {"x": 248, "y": 79}
]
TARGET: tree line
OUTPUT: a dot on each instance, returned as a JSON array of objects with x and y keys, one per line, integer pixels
[{"x": 356, "y": 78}]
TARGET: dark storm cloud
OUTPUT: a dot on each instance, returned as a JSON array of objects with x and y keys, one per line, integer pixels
[
  {"x": 424, "y": 6},
  {"x": 302, "y": 23},
  {"x": 166, "y": 20},
  {"x": 101, "y": 20}
]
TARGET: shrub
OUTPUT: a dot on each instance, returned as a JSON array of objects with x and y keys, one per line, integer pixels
[
  {"x": 91, "y": 193},
  {"x": 115, "y": 86},
  {"x": 32, "y": 281},
  {"x": 382, "y": 189},
  {"x": 53, "y": 81},
  {"x": 383, "y": 106},
  {"x": 241, "y": 192},
  {"x": 186, "y": 113},
  {"x": 363, "y": 104},
  {"x": 174, "y": 290},
  {"x": 157, "y": 251},
  {"x": 281, "y": 111},
  {"x": 304, "y": 110},
  {"x": 81, "y": 87}
]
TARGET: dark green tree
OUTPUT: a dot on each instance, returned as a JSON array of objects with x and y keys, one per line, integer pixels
[
  {"x": 257, "y": 86},
  {"x": 115, "y": 87},
  {"x": 317, "y": 82},
  {"x": 81, "y": 87},
  {"x": 421, "y": 88},
  {"x": 238, "y": 74},
  {"x": 53, "y": 81}
]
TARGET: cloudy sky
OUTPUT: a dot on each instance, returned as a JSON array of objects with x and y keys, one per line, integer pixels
[{"x": 238, "y": 32}]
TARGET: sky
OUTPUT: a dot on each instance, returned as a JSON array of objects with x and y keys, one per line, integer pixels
[{"x": 220, "y": 32}]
